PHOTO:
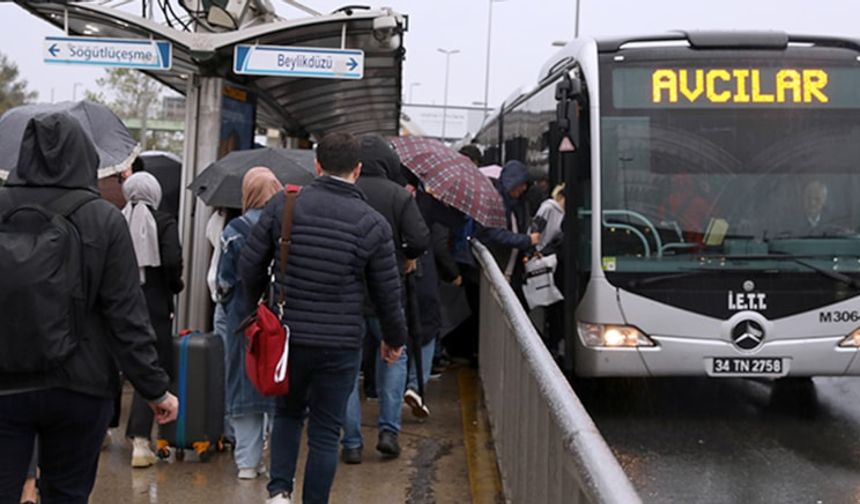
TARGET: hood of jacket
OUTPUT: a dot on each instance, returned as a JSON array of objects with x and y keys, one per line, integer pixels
[
  {"x": 56, "y": 152},
  {"x": 379, "y": 159},
  {"x": 513, "y": 174}
]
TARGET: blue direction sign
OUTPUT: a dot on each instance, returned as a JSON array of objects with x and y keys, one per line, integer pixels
[
  {"x": 290, "y": 61},
  {"x": 126, "y": 53}
]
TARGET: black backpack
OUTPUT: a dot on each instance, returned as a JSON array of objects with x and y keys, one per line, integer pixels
[{"x": 42, "y": 295}]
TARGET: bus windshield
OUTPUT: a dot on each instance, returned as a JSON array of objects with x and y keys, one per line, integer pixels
[{"x": 728, "y": 155}]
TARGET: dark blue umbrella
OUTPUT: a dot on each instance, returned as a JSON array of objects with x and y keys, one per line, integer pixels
[{"x": 115, "y": 145}]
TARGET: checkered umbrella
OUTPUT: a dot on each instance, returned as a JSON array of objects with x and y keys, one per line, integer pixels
[{"x": 452, "y": 178}]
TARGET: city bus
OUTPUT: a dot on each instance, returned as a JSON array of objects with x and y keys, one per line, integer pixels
[{"x": 712, "y": 201}]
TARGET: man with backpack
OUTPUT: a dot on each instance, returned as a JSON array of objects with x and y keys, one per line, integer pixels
[{"x": 71, "y": 309}]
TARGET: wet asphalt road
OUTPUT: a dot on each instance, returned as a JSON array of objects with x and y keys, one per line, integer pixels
[{"x": 696, "y": 440}]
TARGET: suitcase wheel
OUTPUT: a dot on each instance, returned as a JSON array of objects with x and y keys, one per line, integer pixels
[
  {"x": 203, "y": 450},
  {"x": 162, "y": 449}
]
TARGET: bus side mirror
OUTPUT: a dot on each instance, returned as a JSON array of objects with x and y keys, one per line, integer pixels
[{"x": 567, "y": 93}]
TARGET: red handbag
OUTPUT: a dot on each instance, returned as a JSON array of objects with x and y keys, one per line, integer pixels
[{"x": 267, "y": 335}]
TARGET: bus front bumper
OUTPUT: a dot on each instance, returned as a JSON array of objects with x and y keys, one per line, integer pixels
[{"x": 675, "y": 356}]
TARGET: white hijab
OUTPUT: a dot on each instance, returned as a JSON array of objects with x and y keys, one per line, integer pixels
[{"x": 142, "y": 191}]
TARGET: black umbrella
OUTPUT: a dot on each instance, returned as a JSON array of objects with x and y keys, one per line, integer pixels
[
  {"x": 115, "y": 145},
  {"x": 220, "y": 184},
  {"x": 167, "y": 168}
]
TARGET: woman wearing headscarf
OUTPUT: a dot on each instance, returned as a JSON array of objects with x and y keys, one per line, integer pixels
[
  {"x": 155, "y": 237},
  {"x": 245, "y": 408}
]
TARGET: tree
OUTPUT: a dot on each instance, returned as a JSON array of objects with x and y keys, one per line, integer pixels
[
  {"x": 131, "y": 93},
  {"x": 134, "y": 95},
  {"x": 13, "y": 91}
]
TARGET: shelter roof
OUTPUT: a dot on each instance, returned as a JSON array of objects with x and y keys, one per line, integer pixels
[{"x": 298, "y": 105}]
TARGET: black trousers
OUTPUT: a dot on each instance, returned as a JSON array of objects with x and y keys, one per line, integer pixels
[
  {"x": 140, "y": 417},
  {"x": 70, "y": 426}
]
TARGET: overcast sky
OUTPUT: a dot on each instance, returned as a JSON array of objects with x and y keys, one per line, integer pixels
[{"x": 522, "y": 36}]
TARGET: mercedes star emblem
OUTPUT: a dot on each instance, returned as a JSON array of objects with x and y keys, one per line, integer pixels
[{"x": 748, "y": 335}]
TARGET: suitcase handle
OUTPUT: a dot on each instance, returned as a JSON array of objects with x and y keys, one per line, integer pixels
[{"x": 181, "y": 392}]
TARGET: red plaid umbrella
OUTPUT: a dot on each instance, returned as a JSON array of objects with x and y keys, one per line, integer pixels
[{"x": 452, "y": 178}]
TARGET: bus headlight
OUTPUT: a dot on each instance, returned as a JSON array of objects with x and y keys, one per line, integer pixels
[
  {"x": 852, "y": 340},
  {"x": 612, "y": 336}
]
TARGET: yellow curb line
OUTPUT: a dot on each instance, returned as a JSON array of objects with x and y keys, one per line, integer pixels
[{"x": 484, "y": 479}]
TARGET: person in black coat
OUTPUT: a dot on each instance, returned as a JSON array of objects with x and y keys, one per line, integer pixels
[
  {"x": 70, "y": 406},
  {"x": 155, "y": 237},
  {"x": 436, "y": 265},
  {"x": 380, "y": 174},
  {"x": 340, "y": 248}
]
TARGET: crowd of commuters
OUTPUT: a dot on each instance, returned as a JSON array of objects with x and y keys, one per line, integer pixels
[{"x": 371, "y": 255}]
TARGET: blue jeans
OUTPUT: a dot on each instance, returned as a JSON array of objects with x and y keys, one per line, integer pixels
[
  {"x": 427, "y": 352},
  {"x": 390, "y": 385},
  {"x": 70, "y": 426},
  {"x": 249, "y": 431},
  {"x": 320, "y": 383}
]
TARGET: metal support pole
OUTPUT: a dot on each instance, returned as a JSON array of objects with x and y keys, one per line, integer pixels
[
  {"x": 576, "y": 26},
  {"x": 448, "y": 55},
  {"x": 445, "y": 101},
  {"x": 144, "y": 116},
  {"x": 487, "y": 72},
  {"x": 202, "y": 122}
]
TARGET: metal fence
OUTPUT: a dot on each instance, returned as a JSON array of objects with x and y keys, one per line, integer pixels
[{"x": 548, "y": 448}]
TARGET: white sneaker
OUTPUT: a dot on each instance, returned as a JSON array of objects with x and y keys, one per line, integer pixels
[
  {"x": 248, "y": 473},
  {"x": 141, "y": 453},
  {"x": 419, "y": 409},
  {"x": 281, "y": 498}
]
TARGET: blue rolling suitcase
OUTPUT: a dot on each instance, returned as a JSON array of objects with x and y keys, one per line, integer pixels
[{"x": 198, "y": 383}]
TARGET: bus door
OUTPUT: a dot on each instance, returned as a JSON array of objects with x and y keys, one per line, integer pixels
[{"x": 570, "y": 156}]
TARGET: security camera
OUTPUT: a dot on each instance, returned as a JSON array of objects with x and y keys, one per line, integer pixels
[
  {"x": 385, "y": 23},
  {"x": 386, "y": 30}
]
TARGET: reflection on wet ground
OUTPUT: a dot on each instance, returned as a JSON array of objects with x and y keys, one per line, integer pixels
[
  {"x": 431, "y": 469},
  {"x": 698, "y": 440}
]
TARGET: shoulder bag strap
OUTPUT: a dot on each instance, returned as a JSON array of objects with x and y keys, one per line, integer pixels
[{"x": 287, "y": 230}]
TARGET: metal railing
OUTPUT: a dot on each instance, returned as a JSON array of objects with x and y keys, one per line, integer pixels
[{"x": 548, "y": 448}]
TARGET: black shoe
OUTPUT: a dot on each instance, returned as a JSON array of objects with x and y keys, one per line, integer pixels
[
  {"x": 351, "y": 455},
  {"x": 388, "y": 444}
]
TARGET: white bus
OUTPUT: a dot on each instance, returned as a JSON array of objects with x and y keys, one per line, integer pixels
[{"x": 713, "y": 200}]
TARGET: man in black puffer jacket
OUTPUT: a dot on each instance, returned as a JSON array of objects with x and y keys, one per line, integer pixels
[
  {"x": 380, "y": 174},
  {"x": 338, "y": 244},
  {"x": 70, "y": 406}
]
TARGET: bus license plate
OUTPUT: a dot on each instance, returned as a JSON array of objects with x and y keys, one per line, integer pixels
[{"x": 748, "y": 366}]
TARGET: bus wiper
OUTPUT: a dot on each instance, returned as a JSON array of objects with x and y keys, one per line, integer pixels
[
  {"x": 783, "y": 256},
  {"x": 672, "y": 276}
]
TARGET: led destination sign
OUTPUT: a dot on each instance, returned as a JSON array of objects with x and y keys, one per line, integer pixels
[
  {"x": 739, "y": 85},
  {"x": 736, "y": 87}
]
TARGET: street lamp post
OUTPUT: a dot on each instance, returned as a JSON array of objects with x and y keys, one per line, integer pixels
[
  {"x": 447, "y": 54},
  {"x": 411, "y": 88},
  {"x": 75, "y": 90},
  {"x": 487, "y": 71}
]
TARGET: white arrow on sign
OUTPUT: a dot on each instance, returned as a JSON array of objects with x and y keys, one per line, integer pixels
[
  {"x": 126, "y": 53},
  {"x": 289, "y": 61}
]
